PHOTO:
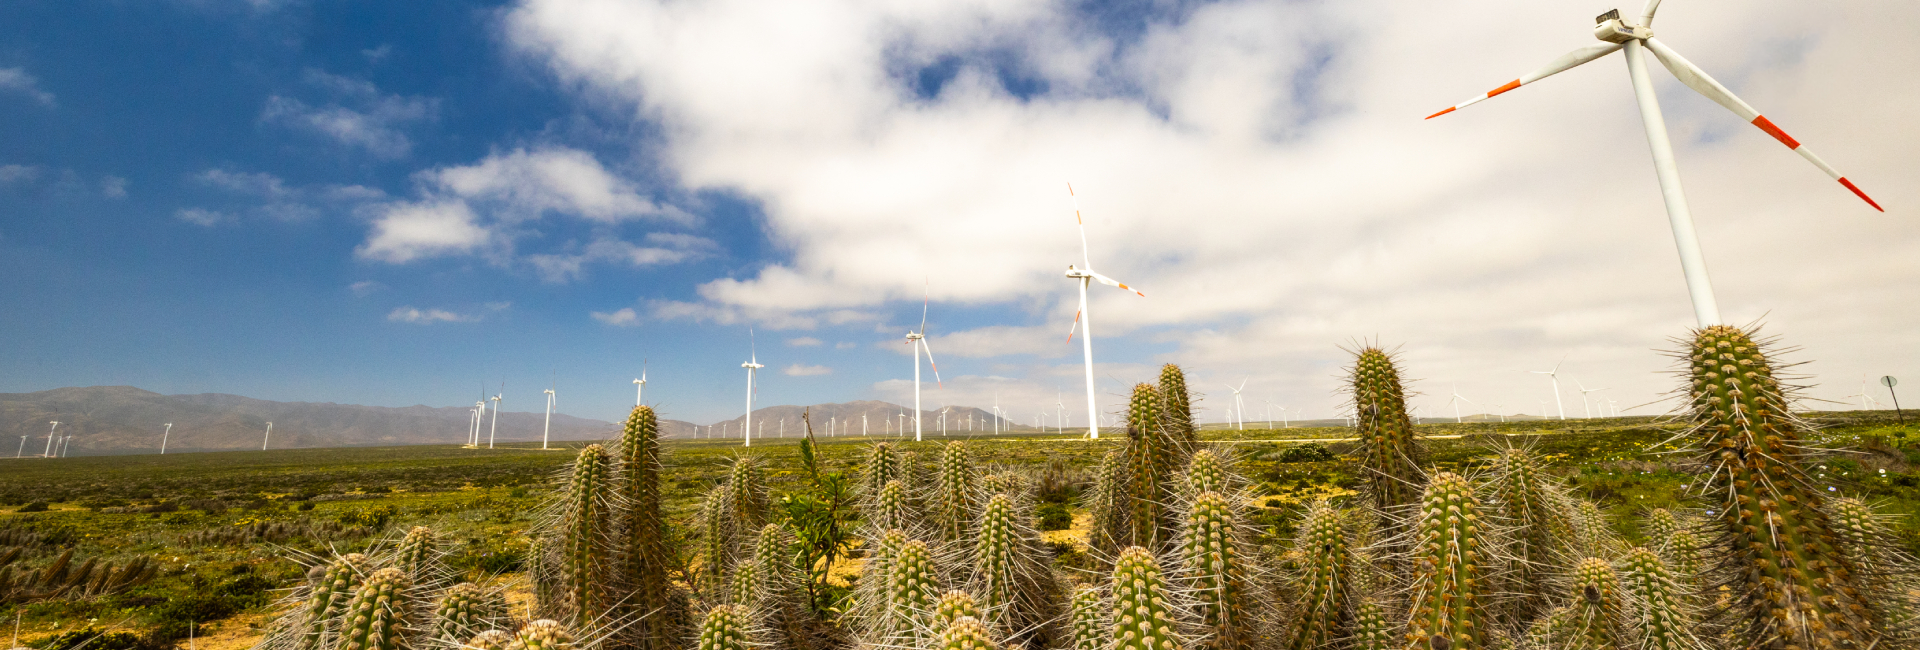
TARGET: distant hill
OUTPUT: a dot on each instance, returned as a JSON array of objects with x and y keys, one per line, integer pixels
[{"x": 128, "y": 420}]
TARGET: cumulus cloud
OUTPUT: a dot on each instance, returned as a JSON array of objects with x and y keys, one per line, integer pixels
[
  {"x": 365, "y": 288},
  {"x": 803, "y": 342},
  {"x": 408, "y": 231},
  {"x": 113, "y": 187},
  {"x": 803, "y": 370},
  {"x": 19, "y": 174},
  {"x": 17, "y": 80},
  {"x": 523, "y": 184},
  {"x": 358, "y": 114},
  {"x": 201, "y": 217},
  {"x": 428, "y": 316},
  {"x": 668, "y": 249},
  {"x": 1260, "y": 169},
  {"x": 622, "y": 318}
]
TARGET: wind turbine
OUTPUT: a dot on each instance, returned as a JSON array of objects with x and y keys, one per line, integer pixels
[
  {"x": 266, "y": 438},
  {"x": 640, "y": 385},
  {"x": 1583, "y": 397},
  {"x": 1553, "y": 374},
  {"x": 1455, "y": 401},
  {"x": 495, "y": 427},
  {"x": 18, "y": 453},
  {"x": 752, "y": 365},
  {"x": 1238, "y": 405},
  {"x": 1083, "y": 320},
  {"x": 163, "y": 438},
  {"x": 918, "y": 341},
  {"x": 1636, "y": 37},
  {"x": 547, "y": 429},
  {"x": 48, "y": 452}
]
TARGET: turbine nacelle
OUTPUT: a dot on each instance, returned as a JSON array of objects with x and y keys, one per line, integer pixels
[
  {"x": 1078, "y": 274},
  {"x": 1610, "y": 27}
]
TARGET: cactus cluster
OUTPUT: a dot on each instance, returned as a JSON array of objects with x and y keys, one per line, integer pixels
[
  {"x": 377, "y": 616},
  {"x": 1535, "y": 505},
  {"x": 958, "y": 482},
  {"x": 464, "y": 610}
]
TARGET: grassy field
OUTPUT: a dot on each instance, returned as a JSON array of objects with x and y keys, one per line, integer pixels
[{"x": 223, "y": 527}]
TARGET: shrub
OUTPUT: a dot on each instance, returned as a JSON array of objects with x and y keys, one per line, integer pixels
[
  {"x": 1308, "y": 453},
  {"x": 37, "y": 506},
  {"x": 1055, "y": 516},
  {"x": 92, "y": 638}
]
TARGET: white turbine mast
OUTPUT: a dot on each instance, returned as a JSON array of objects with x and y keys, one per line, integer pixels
[
  {"x": 1583, "y": 398},
  {"x": 495, "y": 427},
  {"x": 546, "y": 430},
  {"x": 1455, "y": 402},
  {"x": 266, "y": 438},
  {"x": 752, "y": 365},
  {"x": 1553, "y": 374},
  {"x": 918, "y": 341},
  {"x": 1636, "y": 37},
  {"x": 640, "y": 385},
  {"x": 163, "y": 438},
  {"x": 1240, "y": 420},
  {"x": 1083, "y": 320},
  {"x": 48, "y": 453}
]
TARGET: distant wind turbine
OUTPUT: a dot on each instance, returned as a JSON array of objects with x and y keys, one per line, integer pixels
[
  {"x": 1083, "y": 320},
  {"x": 1583, "y": 397},
  {"x": 752, "y": 365},
  {"x": 1238, "y": 405},
  {"x": 547, "y": 429},
  {"x": 918, "y": 340},
  {"x": 21, "y": 452},
  {"x": 48, "y": 452},
  {"x": 640, "y": 385},
  {"x": 1554, "y": 374},
  {"x": 163, "y": 438},
  {"x": 1455, "y": 401},
  {"x": 266, "y": 438},
  {"x": 494, "y": 428}
]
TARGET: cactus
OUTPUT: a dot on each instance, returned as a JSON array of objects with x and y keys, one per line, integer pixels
[
  {"x": 543, "y": 634},
  {"x": 1327, "y": 581},
  {"x": 328, "y": 597},
  {"x": 1595, "y": 607},
  {"x": 1390, "y": 456},
  {"x": 725, "y": 628},
  {"x": 1534, "y": 504},
  {"x": 1008, "y": 483},
  {"x": 1017, "y": 592},
  {"x": 965, "y": 633},
  {"x": 1143, "y": 619},
  {"x": 1449, "y": 559},
  {"x": 768, "y": 584},
  {"x": 1593, "y": 535},
  {"x": 1663, "y": 621},
  {"x": 1659, "y": 527},
  {"x": 1370, "y": 628},
  {"x": 883, "y": 464},
  {"x": 648, "y": 596},
  {"x": 1177, "y": 406},
  {"x": 1883, "y": 568},
  {"x": 376, "y": 618},
  {"x": 717, "y": 533},
  {"x": 1791, "y": 583},
  {"x": 891, "y": 509},
  {"x": 1089, "y": 622},
  {"x": 491, "y": 640},
  {"x": 1210, "y": 547},
  {"x": 952, "y": 606},
  {"x": 584, "y": 575},
  {"x": 953, "y": 511},
  {"x": 994, "y": 554},
  {"x": 465, "y": 609},
  {"x": 1106, "y": 502},
  {"x": 419, "y": 556},
  {"x": 1206, "y": 472},
  {"x": 912, "y": 586},
  {"x": 1149, "y": 469}
]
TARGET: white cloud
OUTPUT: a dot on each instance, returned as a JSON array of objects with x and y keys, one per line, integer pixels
[
  {"x": 524, "y": 184},
  {"x": 260, "y": 184},
  {"x": 1260, "y": 169},
  {"x": 373, "y": 122},
  {"x": 562, "y": 267},
  {"x": 802, "y": 370},
  {"x": 622, "y": 318},
  {"x": 17, "y": 80},
  {"x": 803, "y": 342},
  {"x": 365, "y": 288},
  {"x": 378, "y": 54},
  {"x": 845, "y": 345},
  {"x": 428, "y": 316},
  {"x": 113, "y": 187},
  {"x": 201, "y": 217},
  {"x": 405, "y": 232},
  {"x": 18, "y": 174}
]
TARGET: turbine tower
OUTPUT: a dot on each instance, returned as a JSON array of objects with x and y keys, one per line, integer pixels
[
  {"x": 1083, "y": 320},
  {"x": 1583, "y": 398},
  {"x": 1553, "y": 374},
  {"x": 1455, "y": 402},
  {"x": 752, "y": 365},
  {"x": 1240, "y": 420},
  {"x": 918, "y": 341},
  {"x": 548, "y": 429},
  {"x": 163, "y": 438},
  {"x": 266, "y": 438},
  {"x": 640, "y": 385},
  {"x": 1636, "y": 37},
  {"x": 48, "y": 453},
  {"x": 494, "y": 428}
]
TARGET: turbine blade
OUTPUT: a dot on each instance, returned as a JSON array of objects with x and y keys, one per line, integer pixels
[
  {"x": 1075, "y": 328},
  {"x": 1566, "y": 62},
  {"x": 1085, "y": 257},
  {"x": 930, "y": 363},
  {"x": 1114, "y": 283},
  {"x": 1702, "y": 83},
  {"x": 925, "y": 298}
]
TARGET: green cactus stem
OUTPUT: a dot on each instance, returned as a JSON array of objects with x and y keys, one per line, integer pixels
[
  {"x": 883, "y": 464},
  {"x": 464, "y": 610},
  {"x": 491, "y": 640},
  {"x": 725, "y": 628},
  {"x": 376, "y": 618},
  {"x": 1142, "y": 617},
  {"x": 1534, "y": 504},
  {"x": 1884, "y": 570},
  {"x": 1791, "y": 583},
  {"x": 328, "y": 598},
  {"x": 1089, "y": 624},
  {"x": 995, "y": 555},
  {"x": 717, "y": 538},
  {"x": 1177, "y": 406},
  {"x": 952, "y": 606},
  {"x": 1370, "y": 628},
  {"x": 1390, "y": 456},
  {"x": 1449, "y": 559},
  {"x": 1596, "y": 606},
  {"x": 544, "y": 634},
  {"x": 892, "y": 509},
  {"x": 645, "y": 561},
  {"x": 1206, "y": 472},
  {"x": 953, "y": 509},
  {"x": 583, "y": 558},
  {"x": 1107, "y": 503},
  {"x": 965, "y": 633},
  {"x": 913, "y": 585},
  {"x": 1210, "y": 547},
  {"x": 1150, "y": 456},
  {"x": 1326, "y": 583},
  {"x": 1662, "y": 619},
  {"x": 416, "y": 554}
]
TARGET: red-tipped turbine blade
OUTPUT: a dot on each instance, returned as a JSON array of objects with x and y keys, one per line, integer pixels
[
  {"x": 1075, "y": 328},
  {"x": 1115, "y": 283},
  {"x": 1702, "y": 83},
  {"x": 1566, "y": 62}
]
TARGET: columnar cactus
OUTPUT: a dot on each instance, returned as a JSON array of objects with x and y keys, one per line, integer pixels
[
  {"x": 1662, "y": 619},
  {"x": 1210, "y": 549},
  {"x": 1107, "y": 504},
  {"x": 644, "y": 558},
  {"x": 1090, "y": 623},
  {"x": 965, "y": 633},
  {"x": 1177, "y": 406},
  {"x": 464, "y": 610},
  {"x": 1596, "y": 608},
  {"x": 716, "y": 538},
  {"x": 1449, "y": 558},
  {"x": 544, "y": 634},
  {"x": 913, "y": 584},
  {"x": 1659, "y": 527},
  {"x": 767, "y": 586},
  {"x": 1009, "y": 483},
  {"x": 995, "y": 556},
  {"x": 1389, "y": 454},
  {"x": 952, "y": 606},
  {"x": 1206, "y": 473},
  {"x": 1593, "y": 535},
  {"x": 747, "y": 487},
  {"x": 491, "y": 640},
  {"x": 329, "y": 596},
  {"x": 891, "y": 509},
  {"x": 953, "y": 508},
  {"x": 376, "y": 618},
  {"x": 1885, "y": 577},
  {"x": 1536, "y": 506},
  {"x": 584, "y": 574},
  {"x": 417, "y": 555},
  {"x": 1326, "y": 581},
  {"x": 725, "y": 628},
  {"x": 1791, "y": 582},
  {"x": 1150, "y": 456},
  {"x": 883, "y": 464},
  {"x": 1142, "y": 617},
  {"x": 1371, "y": 631}
]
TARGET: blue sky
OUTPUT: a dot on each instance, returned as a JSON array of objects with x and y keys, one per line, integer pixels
[{"x": 392, "y": 203}]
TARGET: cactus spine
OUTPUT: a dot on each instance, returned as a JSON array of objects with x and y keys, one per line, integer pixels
[
  {"x": 1327, "y": 583},
  {"x": 376, "y": 618},
  {"x": 1596, "y": 609},
  {"x": 583, "y": 566},
  {"x": 1449, "y": 559},
  {"x": 643, "y": 533},
  {"x": 1090, "y": 624},
  {"x": 1663, "y": 620},
  {"x": 953, "y": 606},
  {"x": 1210, "y": 548},
  {"x": 953, "y": 512},
  {"x": 1389, "y": 454},
  {"x": 543, "y": 634},
  {"x": 725, "y": 628},
  {"x": 1177, "y": 406},
  {"x": 465, "y": 609},
  {"x": 1789, "y": 577},
  {"x": 1142, "y": 617}
]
